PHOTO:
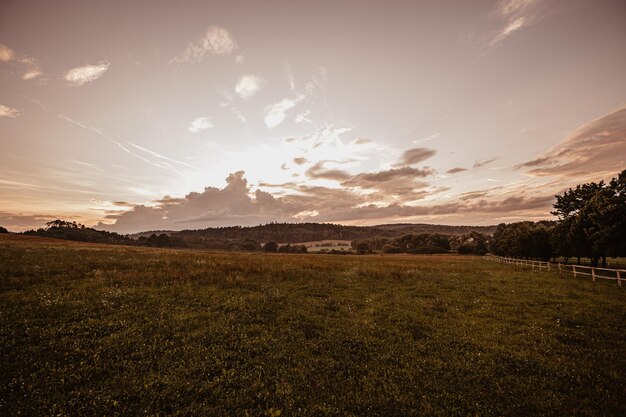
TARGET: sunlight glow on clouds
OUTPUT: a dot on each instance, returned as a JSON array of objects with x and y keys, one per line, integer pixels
[
  {"x": 85, "y": 74},
  {"x": 9, "y": 55},
  {"x": 199, "y": 124},
  {"x": 276, "y": 113},
  {"x": 216, "y": 41},
  {"x": 248, "y": 86},
  {"x": 509, "y": 29},
  {"x": 8, "y": 111},
  {"x": 6, "y": 53}
]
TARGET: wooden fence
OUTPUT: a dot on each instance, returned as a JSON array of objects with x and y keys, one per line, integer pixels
[{"x": 618, "y": 275}]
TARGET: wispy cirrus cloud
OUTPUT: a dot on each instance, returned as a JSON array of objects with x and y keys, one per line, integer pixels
[
  {"x": 516, "y": 15},
  {"x": 215, "y": 41},
  {"x": 6, "y": 111},
  {"x": 87, "y": 73},
  {"x": 199, "y": 124},
  {"x": 484, "y": 162},
  {"x": 595, "y": 150},
  {"x": 248, "y": 86},
  {"x": 455, "y": 170},
  {"x": 145, "y": 155},
  {"x": 9, "y": 55}
]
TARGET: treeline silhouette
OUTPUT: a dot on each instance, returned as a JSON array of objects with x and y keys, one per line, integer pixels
[
  {"x": 471, "y": 243},
  {"x": 308, "y": 232}
]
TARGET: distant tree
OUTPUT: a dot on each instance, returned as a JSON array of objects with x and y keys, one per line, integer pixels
[
  {"x": 63, "y": 224},
  {"x": 270, "y": 247},
  {"x": 3, "y": 230}
]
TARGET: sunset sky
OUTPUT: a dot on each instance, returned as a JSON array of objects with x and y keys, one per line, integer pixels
[{"x": 145, "y": 115}]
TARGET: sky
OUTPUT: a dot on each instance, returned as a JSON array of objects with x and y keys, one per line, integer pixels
[{"x": 152, "y": 115}]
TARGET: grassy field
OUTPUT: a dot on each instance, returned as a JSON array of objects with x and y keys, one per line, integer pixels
[{"x": 110, "y": 330}]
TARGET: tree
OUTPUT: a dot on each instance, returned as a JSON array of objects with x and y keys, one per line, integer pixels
[
  {"x": 3, "y": 230},
  {"x": 270, "y": 247},
  {"x": 594, "y": 216}
]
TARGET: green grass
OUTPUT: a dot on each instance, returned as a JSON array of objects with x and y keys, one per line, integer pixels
[{"x": 110, "y": 330}]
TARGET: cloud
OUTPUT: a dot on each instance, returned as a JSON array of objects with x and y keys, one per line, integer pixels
[
  {"x": 510, "y": 28},
  {"x": 238, "y": 204},
  {"x": 276, "y": 113},
  {"x": 8, "y": 111},
  {"x": 31, "y": 74},
  {"x": 362, "y": 141},
  {"x": 482, "y": 163},
  {"x": 21, "y": 221},
  {"x": 317, "y": 171},
  {"x": 216, "y": 41},
  {"x": 233, "y": 204},
  {"x": 81, "y": 75},
  {"x": 300, "y": 160},
  {"x": 248, "y": 86},
  {"x": 455, "y": 170},
  {"x": 515, "y": 15},
  {"x": 9, "y": 55},
  {"x": 199, "y": 124},
  {"x": 302, "y": 117},
  {"x": 595, "y": 150},
  {"x": 6, "y": 54},
  {"x": 416, "y": 155},
  {"x": 145, "y": 155},
  {"x": 383, "y": 176}
]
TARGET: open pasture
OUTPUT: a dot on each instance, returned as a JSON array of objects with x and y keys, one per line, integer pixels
[{"x": 112, "y": 330}]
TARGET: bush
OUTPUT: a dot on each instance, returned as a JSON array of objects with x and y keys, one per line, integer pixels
[
  {"x": 270, "y": 247},
  {"x": 391, "y": 249}
]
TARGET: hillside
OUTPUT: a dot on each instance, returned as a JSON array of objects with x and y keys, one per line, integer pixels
[{"x": 306, "y": 232}]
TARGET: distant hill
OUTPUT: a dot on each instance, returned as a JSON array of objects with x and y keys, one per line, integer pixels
[{"x": 306, "y": 232}]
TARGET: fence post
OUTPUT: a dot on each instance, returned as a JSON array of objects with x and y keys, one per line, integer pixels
[
  {"x": 560, "y": 271},
  {"x": 574, "y": 269},
  {"x": 619, "y": 279},
  {"x": 593, "y": 274},
  {"x": 548, "y": 264}
]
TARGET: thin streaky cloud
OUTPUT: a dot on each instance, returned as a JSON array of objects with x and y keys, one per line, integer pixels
[
  {"x": 87, "y": 73},
  {"x": 119, "y": 144},
  {"x": 163, "y": 157},
  {"x": 510, "y": 28},
  {"x": 484, "y": 162}
]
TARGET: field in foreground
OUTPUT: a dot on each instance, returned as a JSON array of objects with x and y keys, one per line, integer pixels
[{"x": 109, "y": 330}]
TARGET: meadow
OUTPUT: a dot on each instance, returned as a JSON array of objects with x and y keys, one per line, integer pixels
[{"x": 88, "y": 329}]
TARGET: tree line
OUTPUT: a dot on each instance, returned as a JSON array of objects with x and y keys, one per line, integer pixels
[
  {"x": 425, "y": 243},
  {"x": 591, "y": 224}
]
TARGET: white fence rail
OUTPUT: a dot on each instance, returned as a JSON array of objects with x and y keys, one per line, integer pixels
[{"x": 618, "y": 275}]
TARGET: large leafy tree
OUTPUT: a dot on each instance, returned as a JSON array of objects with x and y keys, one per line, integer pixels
[{"x": 593, "y": 218}]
